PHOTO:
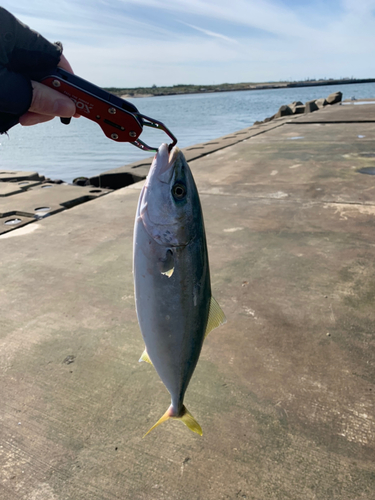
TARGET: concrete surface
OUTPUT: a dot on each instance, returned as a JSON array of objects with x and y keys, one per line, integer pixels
[
  {"x": 17, "y": 175},
  {"x": 134, "y": 172},
  {"x": 17, "y": 185},
  {"x": 350, "y": 111},
  {"x": 284, "y": 391},
  {"x": 26, "y": 201}
]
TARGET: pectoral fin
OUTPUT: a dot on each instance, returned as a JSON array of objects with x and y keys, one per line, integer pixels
[
  {"x": 216, "y": 317},
  {"x": 169, "y": 272},
  {"x": 166, "y": 265}
]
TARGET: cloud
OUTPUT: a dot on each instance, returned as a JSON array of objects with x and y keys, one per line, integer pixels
[
  {"x": 211, "y": 33},
  {"x": 144, "y": 42}
]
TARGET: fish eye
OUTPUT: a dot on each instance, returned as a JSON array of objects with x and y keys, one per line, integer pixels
[{"x": 179, "y": 191}]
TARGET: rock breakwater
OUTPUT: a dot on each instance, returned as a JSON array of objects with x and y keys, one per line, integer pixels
[{"x": 297, "y": 107}]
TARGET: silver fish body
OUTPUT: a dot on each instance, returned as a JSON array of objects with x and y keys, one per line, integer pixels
[{"x": 172, "y": 278}]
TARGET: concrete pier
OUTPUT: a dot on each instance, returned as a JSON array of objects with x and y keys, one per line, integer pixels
[{"x": 284, "y": 392}]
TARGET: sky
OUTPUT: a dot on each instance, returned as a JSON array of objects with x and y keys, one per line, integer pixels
[{"x": 131, "y": 43}]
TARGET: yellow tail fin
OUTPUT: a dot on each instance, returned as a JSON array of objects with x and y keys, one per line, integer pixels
[{"x": 185, "y": 416}]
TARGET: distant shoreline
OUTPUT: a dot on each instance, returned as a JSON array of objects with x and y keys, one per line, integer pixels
[{"x": 155, "y": 91}]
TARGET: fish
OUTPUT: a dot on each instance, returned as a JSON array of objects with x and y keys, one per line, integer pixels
[{"x": 174, "y": 303}]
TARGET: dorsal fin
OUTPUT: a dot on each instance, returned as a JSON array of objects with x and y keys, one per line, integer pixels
[{"x": 216, "y": 317}]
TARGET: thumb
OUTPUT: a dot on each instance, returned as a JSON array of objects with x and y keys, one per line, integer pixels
[{"x": 47, "y": 101}]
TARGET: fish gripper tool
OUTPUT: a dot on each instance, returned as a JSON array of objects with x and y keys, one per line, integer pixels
[{"x": 119, "y": 119}]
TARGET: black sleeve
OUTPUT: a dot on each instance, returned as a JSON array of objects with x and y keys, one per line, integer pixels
[{"x": 24, "y": 54}]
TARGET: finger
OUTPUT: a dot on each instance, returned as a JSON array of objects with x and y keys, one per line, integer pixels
[
  {"x": 47, "y": 101},
  {"x": 30, "y": 118},
  {"x": 64, "y": 64}
]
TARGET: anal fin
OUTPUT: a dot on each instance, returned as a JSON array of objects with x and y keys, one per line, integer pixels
[
  {"x": 216, "y": 317},
  {"x": 145, "y": 357}
]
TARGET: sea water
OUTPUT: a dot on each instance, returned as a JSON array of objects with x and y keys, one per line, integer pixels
[{"x": 82, "y": 150}]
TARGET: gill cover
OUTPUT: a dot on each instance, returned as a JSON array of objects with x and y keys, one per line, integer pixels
[{"x": 170, "y": 199}]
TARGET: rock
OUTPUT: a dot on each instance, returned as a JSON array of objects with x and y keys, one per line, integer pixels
[
  {"x": 293, "y": 105},
  {"x": 283, "y": 111},
  {"x": 299, "y": 109},
  {"x": 81, "y": 181},
  {"x": 269, "y": 119},
  {"x": 311, "y": 106},
  {"x": 321, "y": 102},
  {"x": 334, "y": 98}
]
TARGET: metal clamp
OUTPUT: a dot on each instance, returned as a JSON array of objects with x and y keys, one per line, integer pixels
[{"x": 119, "y": 119}]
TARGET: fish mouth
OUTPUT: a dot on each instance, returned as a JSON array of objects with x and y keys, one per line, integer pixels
[
  {"x": 153, "y": 202},
  {"x": 173, "y": 154},
  {"x": 163, "y": 165},
  {"x": 167, "y": 160}
]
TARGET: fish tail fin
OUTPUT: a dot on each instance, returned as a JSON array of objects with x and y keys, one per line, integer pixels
[
  {"x": 164, "y": 418},
  {"x": 185, "y": 416},
  {"x": 190, "y": 421}
]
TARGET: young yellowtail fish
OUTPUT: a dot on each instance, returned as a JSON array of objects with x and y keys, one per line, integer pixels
[{"x": 174, "y": 304}]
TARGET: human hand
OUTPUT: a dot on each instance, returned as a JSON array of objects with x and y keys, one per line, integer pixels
[
  {"x": 24, "y": 56},
  {"x": 48, "y": 103}
]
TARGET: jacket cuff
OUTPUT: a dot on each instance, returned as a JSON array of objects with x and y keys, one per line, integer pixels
[
  {"x": 23, "y": 50},
  {"x": 16, "y": 94}
]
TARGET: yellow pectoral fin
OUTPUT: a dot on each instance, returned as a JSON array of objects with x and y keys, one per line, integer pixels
[
  {"x": 185, "y": 416},
  {"x": 166, "y": 265},
  {"x": 145, "y": 357},
  {"x": 169, "y": 273},
  {"x": 216, "y": 317}
]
